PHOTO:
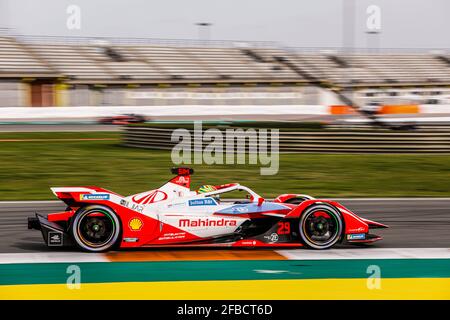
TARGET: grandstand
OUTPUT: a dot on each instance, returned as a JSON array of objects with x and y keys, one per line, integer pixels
[{"x": 49, "y": 67}]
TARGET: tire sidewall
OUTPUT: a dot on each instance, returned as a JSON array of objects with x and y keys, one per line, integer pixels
[
  {"x": 77, "y": 219},
  {"x": 318, "y": 207}
]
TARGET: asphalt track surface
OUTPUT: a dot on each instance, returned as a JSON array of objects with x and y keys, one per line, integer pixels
[
  {"x": 90, "y": 125},
  {"x": 414, "y": 223},
  {"x": 57, "y": 128}
]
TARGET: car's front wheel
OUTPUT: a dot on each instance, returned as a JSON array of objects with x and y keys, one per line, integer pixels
[
  {"x": 95, "y": 228},
  {"x": 321, "y": 226}
]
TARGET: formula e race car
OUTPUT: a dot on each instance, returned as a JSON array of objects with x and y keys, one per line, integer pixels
[
  {"x": 174, "y": 215},
  {"x": 122, "y": 119}
]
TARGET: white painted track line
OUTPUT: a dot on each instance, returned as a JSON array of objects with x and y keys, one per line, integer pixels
[
  {"x": 367, "y": 253},
  {"x": 297, "y": 254},
  {"x": 51, "y": 257}
]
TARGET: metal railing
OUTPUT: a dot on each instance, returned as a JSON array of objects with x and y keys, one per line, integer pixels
[
  {"x": 142, "y": 41},
  {"x": 36, "y": 39},
  {"x": 326, "y": 141},
  {"x": 347, "y": 51}
]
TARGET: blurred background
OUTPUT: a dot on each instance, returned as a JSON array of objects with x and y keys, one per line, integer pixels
[
  {"x": 359, "y": 89},
  {"x": 91, "y": 92},
  {"x": 110, "y": 53}
]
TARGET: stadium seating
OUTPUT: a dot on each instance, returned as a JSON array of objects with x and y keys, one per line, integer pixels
[
  {"x": 16, "y": 60},
  {"x": 70, "y": 60},
  {"x": 405, "y": 68},
  {"x": 121, "y": 63},
  {"x": 127, "y": 65},
  {"x": 373, "y": 69},
  {"x": 175, "y": 63}
]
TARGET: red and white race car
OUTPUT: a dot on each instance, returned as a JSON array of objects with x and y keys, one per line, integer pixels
[
  {"x": 122, "y": 119},
  {"x": 174, "y": 215}
]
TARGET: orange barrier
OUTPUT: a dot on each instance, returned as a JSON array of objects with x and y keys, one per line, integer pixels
[
  {"x": 386, "y": 109},
  {"x": 341, "y": 109},
  {"x": 399, "y": 109},
  {"x": 190, "y": 255}
]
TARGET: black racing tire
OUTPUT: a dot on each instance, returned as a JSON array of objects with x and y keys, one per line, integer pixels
[
  {"x": 95, "y": 228},
  {"x": 321, "y": 226}
]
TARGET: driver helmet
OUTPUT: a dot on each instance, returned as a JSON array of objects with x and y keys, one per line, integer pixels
[{"x": 206, "y": 188}]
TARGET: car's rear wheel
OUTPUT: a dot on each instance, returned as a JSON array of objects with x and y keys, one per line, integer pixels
[
  {"x": 321, "y": 226},
  {"x": 95, "y": 228}
]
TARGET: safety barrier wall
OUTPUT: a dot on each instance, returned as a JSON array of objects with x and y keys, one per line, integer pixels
[
  {"x": 203, "y": 110},
  {"x": 311, "y": 141},
  {"x": 156, "y": 111},
  {"x": 384, "y": 109},
  {"x": 19, "y": 94}
]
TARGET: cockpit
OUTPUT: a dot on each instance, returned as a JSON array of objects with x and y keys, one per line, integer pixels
[{"x": 231, "y": 192}]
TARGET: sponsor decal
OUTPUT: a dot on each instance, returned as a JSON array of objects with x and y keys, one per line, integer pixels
[
  {"x": 178, "y": 204},
  {"x": 248, "y": 242},
  {"x": 181, "y": 180},
  {"x": 130, "y": 239},
  {"x": 132, "y": 206},
  {"x": 356, "y": 236},
  {"x": 173, "y": 236},
  {"x": 94, "y": 196},
  {"x": 135, "y": 224},
  {"x": 360, "y": 229},
  {"x": 55, "y": 238},
  {"x": 240, "y": 209},
  {"x": 137, "y": 208},
  {"x": 150, "y": 197},
  {"x": 206, "y": 223},
  {"x": 273, "y": 237},
  {"x": 202, "y": 202}
]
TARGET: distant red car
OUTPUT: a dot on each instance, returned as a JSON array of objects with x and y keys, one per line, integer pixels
[
  {"x": 174, "y": 215},
  {"x": 122, "y": 119}
]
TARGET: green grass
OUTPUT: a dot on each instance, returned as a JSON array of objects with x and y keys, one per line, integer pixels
[{"x": 28, "y": 169}]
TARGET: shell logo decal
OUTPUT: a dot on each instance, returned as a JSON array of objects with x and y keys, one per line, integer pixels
[{"x": 135, "y": 224}]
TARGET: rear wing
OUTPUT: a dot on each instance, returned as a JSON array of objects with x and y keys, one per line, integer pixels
[
  {"x": 183, "y": 177},
  {"x": 74, "y": 195}
]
